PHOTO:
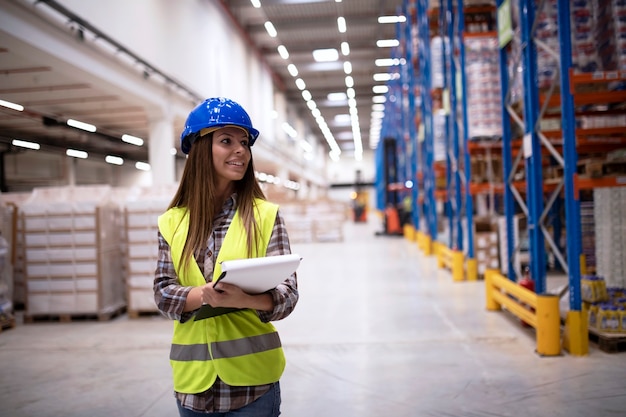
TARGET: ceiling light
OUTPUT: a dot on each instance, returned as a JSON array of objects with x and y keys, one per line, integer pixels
[
  {"x": 341, "y": 24},
  {"x": 351, "y": 93},
  {"x": 316, "y": 112},
  {"x": 282, "y": 51},
  {"x": 387, "y": 43},
  {"x": 12, "y": 106},
  {"x": 382, "y": 77},
  {"x": 311, "y": 104},
  {"x": 325, "y": 55},
  {"x": 378, "y": 107},
  {"x": 81, "y": 125},
  {"x": 115, "y": 160},
  {"x": 256, "y": 3},
  {"x": 142, "y": 166},
  {"x": 347, "y": 67},
  {"x": 300, "y": 84},
  {"x": 380, "y": 89},
  {"x": 306, "y": 95},
  {"x": 336, "y": 96},
  {"x": 345, "y": 48},
  {"x": 387, "y": 62},
  {"x": 293, "y": 70},
  {"x": 133, "y": 140},
  {"x": 25, "y": 144},
  {"x": 349, "y": 81},
  {"x": 271, "y": 30},
  {"x": 391, "y": 19},
  {"x": 76, "y": 154},
  {"x": 173, "y": 151},
  {"x": 289, "y": 130},
  {"x": 379, "y": 99}
]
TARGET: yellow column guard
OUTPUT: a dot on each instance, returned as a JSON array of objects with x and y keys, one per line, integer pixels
[{"x": 539, "y": 311}]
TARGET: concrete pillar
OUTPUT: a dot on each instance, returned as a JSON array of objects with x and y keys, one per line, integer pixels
[{"x": 162, "y": 162}]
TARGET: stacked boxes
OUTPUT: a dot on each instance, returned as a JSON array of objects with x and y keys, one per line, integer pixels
[
  {"x": 610, "y": 227},
  {"x": 141, "y": 211},
  {"x": 484, "y": 98},
  {"x": 486, "y": 245},
  {"x": 72, "y": 252}
]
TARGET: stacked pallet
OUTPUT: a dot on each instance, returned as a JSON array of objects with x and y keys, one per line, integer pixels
[
  {"x": 315, "y": 221},
  {"x": 71, "y": 238},
  {"x": 141, "y": 212}
]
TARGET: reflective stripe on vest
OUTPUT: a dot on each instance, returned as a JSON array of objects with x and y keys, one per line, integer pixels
[
  {"x": 226, "y": 349},
  {"x": 237, "y": 346}
]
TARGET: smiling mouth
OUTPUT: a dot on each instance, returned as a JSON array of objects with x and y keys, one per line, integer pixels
[{"x": 238, "y": 164}]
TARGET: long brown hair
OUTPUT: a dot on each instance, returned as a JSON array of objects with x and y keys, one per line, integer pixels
[{"x": 196, "y": 192}]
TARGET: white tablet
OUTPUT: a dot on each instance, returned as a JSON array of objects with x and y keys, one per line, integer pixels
[{"x": 257, "y": 275}]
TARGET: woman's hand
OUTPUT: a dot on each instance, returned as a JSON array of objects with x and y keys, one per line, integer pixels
[
  {"x": 224, "y": 295},
  {"x": 228, "y": 295}
]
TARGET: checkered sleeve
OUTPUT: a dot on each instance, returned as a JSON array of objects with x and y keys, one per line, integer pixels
[
  {"x": 285, "y": 295},
  {"x": 169, "y": 295}
]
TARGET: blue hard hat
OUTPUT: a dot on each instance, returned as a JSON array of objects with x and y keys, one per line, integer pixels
[{"x": 215, "y": 112}]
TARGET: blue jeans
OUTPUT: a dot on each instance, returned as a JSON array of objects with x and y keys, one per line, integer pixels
[{"x": 268, "y": 405}]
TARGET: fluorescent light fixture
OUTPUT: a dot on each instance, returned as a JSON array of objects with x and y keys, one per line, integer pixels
[
  {"x": 12, "y": 106},
  {"x": 349, "y": 81},
  {"x": 142, "y": 166},
  {"x": 347, "y": 67},
  {"x": 293, "y": 70},
  {"x": 289, "y": 130},
  {"x": 337, "y": 96},
  {"x": 382, "y": 77},
  {"x": 76, "y": 154},
  {"x": 282, "y": 51},
  {"x": 256, "y": 3},
  {"x": 341, "y": 24},
  {"x": 345, "y": 48},
  {"x": 379, "y": 99},
  {"x": 115, "y": 160},
  {"x": 133, "y": 140},
  {"x": 325, "y": 55},
  {"x": 300, "y": 84},
  {"x": 271, "y": 30},
  {"x": 387, "y": 62},
  {"x": 387, "y": 43},
  {"x": 81, "y": 125},
  {"x": 306, "y": 95},
  {"x": 25, "y": 144},
  {"x": 391, "y": 19},
  {"x": 380, "y": 89}
]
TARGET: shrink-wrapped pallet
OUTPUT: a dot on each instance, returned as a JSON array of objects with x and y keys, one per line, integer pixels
[{"x": 72, "y": 253}]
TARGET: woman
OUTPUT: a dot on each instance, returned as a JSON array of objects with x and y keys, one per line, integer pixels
[{"x": 230, "y": 364}]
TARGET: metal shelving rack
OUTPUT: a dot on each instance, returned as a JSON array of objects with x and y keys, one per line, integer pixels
[{"x": 537, "y": 143}]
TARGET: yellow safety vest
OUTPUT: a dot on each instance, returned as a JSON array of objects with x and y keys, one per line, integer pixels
[{"x": 237, "y": 347}]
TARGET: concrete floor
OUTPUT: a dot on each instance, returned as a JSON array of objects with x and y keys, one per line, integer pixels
[{"x": 379, "y": 331}]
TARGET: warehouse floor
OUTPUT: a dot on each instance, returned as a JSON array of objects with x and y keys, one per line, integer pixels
[{"x": 379, "y": 331}]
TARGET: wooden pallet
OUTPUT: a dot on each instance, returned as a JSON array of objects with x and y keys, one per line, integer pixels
[
  {"x": 6, "y": 322},
  {"x": 135, "y": 314},
  {"x": 104, "y": 315},
  {"x": 608, "y": 342}
]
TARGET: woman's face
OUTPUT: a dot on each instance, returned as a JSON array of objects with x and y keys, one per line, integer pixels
[{"x": 231, "y": 154}]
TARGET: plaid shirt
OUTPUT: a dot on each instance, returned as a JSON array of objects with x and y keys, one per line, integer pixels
[{"x": 170, "y": 298}]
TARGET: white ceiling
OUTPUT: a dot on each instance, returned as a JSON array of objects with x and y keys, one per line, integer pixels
[{"x": 42, "y": 83}]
